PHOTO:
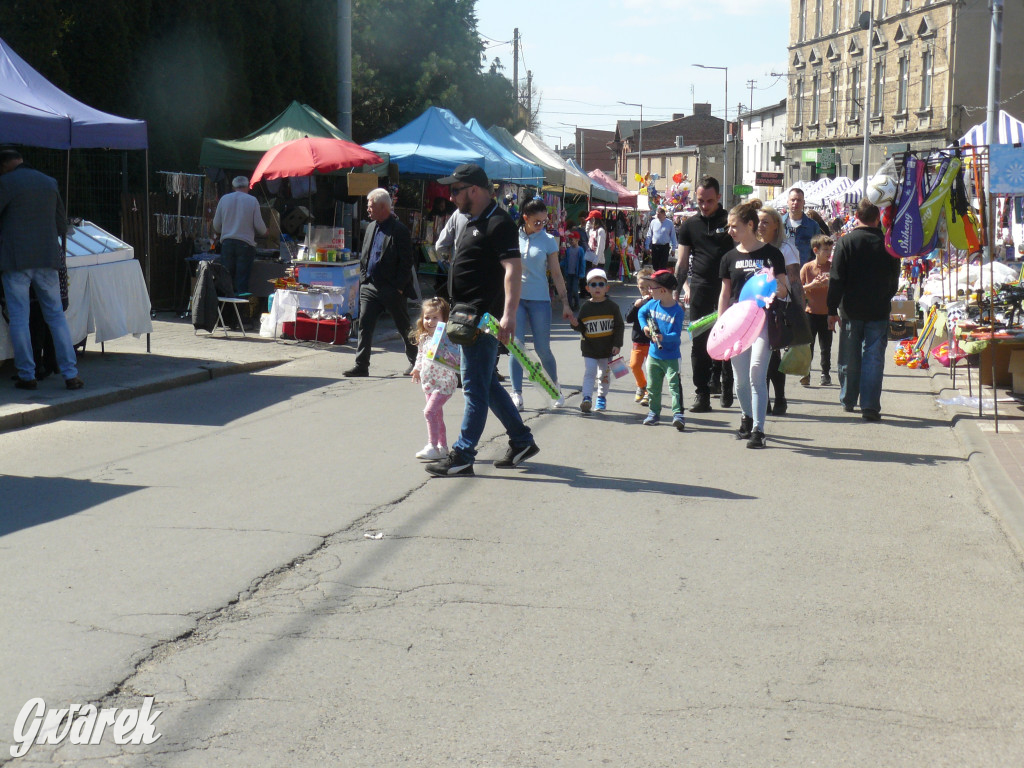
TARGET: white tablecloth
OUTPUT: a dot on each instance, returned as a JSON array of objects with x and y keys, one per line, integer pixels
[
  {"x": 287, "y": 303},
  {"x": 107, "y": 300}
]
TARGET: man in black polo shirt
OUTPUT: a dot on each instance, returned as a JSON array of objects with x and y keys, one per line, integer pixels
[
  {"x": 486, "y": 273},
  {"x": 703, "y": 241}
]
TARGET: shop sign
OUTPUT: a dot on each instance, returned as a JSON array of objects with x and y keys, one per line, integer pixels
[
  {"x": 742, "y": 189},
  {"x": 768, "y": 179},
  {"x": 809, "y": 156}
]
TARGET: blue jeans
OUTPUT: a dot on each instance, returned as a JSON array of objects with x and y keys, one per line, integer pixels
[
  {"x": 539, "y": 314},
  {"x": 750, "y": 370},
  {"x": 861, "y": 362},
  {"x": 47, "y": 286},
  {"x": 482, "y": 390},
  {"x": 238, "y": 257}
]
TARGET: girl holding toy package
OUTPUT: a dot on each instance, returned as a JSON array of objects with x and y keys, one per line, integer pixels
[{"x": 437, "y": 363}]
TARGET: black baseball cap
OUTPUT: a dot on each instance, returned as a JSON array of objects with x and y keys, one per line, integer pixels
[{"x": 468, "y": 173}]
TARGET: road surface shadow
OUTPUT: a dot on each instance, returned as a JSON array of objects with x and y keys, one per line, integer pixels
[
  {"x": 579, "y": 478},
  {"x": 29, "y": 501}
]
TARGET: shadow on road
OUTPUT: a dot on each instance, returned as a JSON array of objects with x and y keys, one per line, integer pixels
[
  {"x": 31, "y": 501},
  {"x": 578, "y": 478}
]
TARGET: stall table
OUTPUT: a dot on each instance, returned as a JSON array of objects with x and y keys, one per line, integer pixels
[{"x": 287, "y": 302}]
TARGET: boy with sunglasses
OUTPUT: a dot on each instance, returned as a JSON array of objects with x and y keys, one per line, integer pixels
[{"x": 601, "y": 325}]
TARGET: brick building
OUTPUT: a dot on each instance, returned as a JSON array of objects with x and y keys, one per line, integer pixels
[{"x": 929, "y": 79}]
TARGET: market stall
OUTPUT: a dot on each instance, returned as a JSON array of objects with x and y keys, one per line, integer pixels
[{"x": 108, "y": 293}]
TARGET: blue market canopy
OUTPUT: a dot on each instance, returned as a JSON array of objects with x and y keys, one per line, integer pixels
[
  {"x": 529, "y": 173},
  {"x": 553, "y": 176},
  {"x": 435, "y": 143},
  {"x": 36, "y": 113}
]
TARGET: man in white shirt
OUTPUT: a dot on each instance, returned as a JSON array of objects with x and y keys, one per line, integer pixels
[
  {"x": 661, "y": 240},
  {"x": 237, "y": 221}
]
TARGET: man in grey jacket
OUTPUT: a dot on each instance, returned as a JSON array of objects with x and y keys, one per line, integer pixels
[{"x": 32, "y": 219}]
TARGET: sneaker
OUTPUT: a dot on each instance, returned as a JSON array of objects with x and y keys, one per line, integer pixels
[
  {"x": 585, "y": 405},
  {"x": 410, "y": 369},
  {"x": 601, "y": 404},
  {"x": 728, "y": 399},
  {"x": 559, "y": 401},
  {"x": 870, "y": 415},
  {"x": 651, "y": 419},
  {"x": 848, "y": 408},
  {"x": 701, "y": 404},
  {"x": 430, "y": 453},
  {"x": 746, "y": 426},
  {"x": 517, "y": 400},
  {"x": 756, "y": 439},
  {"x": 826, "y": 380},
  {"x": 356, "y": 371},
  {"x": 645, "y": 401},
  {"x": 716, "y": 387},
  {"x": 805, "y": 381},
  {"x": 640, "y": 392},
  {"x": 452, "y": 465},
  {"x": 74, "y": 383},
  {"x": 780, "y": 407},
  {"x": 516, "y": 456},
  {"x": 679, "y": 421},
  {"x": 25, "y": 383}
]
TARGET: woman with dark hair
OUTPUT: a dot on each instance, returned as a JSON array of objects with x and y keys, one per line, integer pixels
[
  {"x": 750, "y": 368},
  {"x": 539, "y": 256}
]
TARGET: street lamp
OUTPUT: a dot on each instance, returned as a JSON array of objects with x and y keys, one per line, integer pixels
[
  {"x": 725, "y": 133},
  {"x": 640, "y": 147}
]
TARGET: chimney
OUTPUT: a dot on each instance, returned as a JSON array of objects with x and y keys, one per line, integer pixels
[
  {"x": 678, "y": 115},
  {"x": 702, "y": 109}
]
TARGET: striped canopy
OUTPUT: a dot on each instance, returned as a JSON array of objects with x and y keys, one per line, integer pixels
[{"x": 1011, "y": 131}]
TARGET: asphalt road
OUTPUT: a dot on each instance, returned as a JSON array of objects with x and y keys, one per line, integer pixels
[{"x": 632, "y": 597}]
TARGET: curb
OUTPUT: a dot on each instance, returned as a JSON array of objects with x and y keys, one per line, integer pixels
[
  {"x": 1002, "y": 493},
  {"x": 45, "y": 413}
]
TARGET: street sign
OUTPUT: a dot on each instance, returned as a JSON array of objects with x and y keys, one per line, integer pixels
[
  {"x": 826, "y": 159},
  {"x": 768, "y": 179},
  {"x": 742, "y": 189}
]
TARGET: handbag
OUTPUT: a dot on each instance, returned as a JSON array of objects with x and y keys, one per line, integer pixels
[
  {"x": 787, "y": 324},
  {"x": 464, "y": 325},
  {"x": 796, "y": 361}
]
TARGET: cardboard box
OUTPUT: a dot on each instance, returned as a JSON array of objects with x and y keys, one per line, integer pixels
[
  {"x": 1016, "y": 369},
  {"x": 1003, "y": 350},
  {"x": 903, "y": 307},
  {"x": 901, "y": 328}
]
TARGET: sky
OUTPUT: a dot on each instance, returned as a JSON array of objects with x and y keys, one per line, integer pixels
[{"x": 587, "y": 55}]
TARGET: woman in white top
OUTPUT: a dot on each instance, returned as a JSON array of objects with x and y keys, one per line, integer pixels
[
  {"x": 597, "y": 239},
  {"x": 770, "y": 230},
  {"x": 539, "y": 252}
]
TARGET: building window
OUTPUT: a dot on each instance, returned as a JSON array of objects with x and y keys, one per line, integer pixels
[
  {"x": 835, "y": 14},
  {"x": 815, "y": 97},
  {"x": 801, "y": 17},
  {"x": 901, "y": 92},
  {"x": 833, "y": 97},
  {"x": 906, "y": 5},
  {"x": 876, "y": 96},
  {"x": 855, "y": 92},
  {"x": 818, "y": 13},
  {"x": 798, "y": 118},
  {"x": 881, "y": 9},
  {"x": 926, "y": 78}
]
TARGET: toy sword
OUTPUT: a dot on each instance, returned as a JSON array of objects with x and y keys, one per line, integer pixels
[{"x": 534, "y": 372}]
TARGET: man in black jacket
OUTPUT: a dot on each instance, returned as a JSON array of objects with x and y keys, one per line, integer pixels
[
  {"x": 862, "y": 282},
  {"x": 385, "y": 276}
]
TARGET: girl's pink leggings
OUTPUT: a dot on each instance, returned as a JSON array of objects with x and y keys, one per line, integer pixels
[{"x": 434, "y": 414}]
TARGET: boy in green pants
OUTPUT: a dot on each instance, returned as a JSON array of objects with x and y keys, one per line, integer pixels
[{"x": 662, "y": 320}]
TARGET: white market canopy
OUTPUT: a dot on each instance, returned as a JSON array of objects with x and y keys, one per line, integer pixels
[
  {"x": 576, "y": 183},
  {"x": 1011, "y": 131}
]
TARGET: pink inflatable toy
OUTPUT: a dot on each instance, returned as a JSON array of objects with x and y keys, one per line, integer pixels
[{"x": 735, "y": 330}]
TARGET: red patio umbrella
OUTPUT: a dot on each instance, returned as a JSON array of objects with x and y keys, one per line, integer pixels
[{"x": 303, "y": 157}]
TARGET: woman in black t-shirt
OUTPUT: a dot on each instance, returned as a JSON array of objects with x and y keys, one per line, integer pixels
[{"x": 750, "y": 367}]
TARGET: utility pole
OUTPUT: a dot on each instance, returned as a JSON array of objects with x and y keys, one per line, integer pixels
[
  {"x": 750, "y": 85},
  {"x": 515, "y": 67},
  {"x": 345, "y": 66},
  {"x": 529, "y": 98},
  {"x": 869, "y": 25}
]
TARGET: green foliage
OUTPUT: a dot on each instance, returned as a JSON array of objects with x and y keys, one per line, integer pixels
[{"x": 220, "y": 68}]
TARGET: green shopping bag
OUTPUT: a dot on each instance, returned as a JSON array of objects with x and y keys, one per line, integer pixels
[{"x": 796, "y": 361}]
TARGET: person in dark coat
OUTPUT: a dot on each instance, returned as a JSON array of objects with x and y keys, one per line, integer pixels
[
  {"x": 385, "y": 277},
  {"x": 32, "y": 219}
]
